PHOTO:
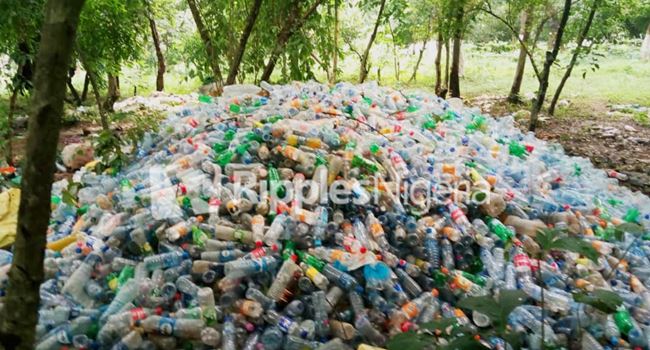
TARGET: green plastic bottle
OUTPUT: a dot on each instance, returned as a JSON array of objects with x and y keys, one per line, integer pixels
[
  {"x": 205, "y": 98},
  {"x": 517, "y": 149},
  {"x": 274, "y": 182},
  {"x": 360, "y": 162},
  {"x": 632, "y": 215},
  {"x": 198, "y": 237},
  {"x": 499, "y": 229},
  {"x": 623, "y": 320},
  {"x": 311, "y": 260},
  {"x": 224, "y": 158}
]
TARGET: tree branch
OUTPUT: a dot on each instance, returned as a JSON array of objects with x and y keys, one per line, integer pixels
[{"x": 489, "y": 11}]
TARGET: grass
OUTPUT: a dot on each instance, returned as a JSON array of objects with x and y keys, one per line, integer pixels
[{"x": 622, "y": 78}]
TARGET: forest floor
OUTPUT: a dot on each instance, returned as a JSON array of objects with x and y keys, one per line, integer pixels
[{"x": 611, "y": 136}]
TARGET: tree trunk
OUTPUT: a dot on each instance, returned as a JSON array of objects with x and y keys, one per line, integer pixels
[
  {"x": 417, "y": 63},
  {"x": 98, "y": 99},
  {"x": 439, "y": 45},
  {"x": 18, "y": 320},
  {"x": 454, "y": 78},
  {"x": 239, "y": 55},
  {"x": 160, "y": 76},
  {"x": 645, "y": 48},
  {"x": 524, "y": 32},
  {"x": 293, "y": 24},
  {"x": 422, "y": 49},
  {"x": 207, "y": 42},
  {"x": 395, "y": 57},
  {"x": 84, "y": 93},
  {"x": 581, "y": 38},
  {"x": 363, "y": 69},
  {"x": 447, "y": 65},
  {"x": 113, "y": 93},
  {"x": 335, "y": 59},
  {"x": 551, "y": 56},
  {"x": 73, "y": 91},
  {"x": 9, "y": 135}
]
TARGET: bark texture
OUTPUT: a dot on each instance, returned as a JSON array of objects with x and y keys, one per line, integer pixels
[
  {"x": 551, "y": 56},
  {"x": 524, "y": 33},
  {"x": 574, "y": 58},
  {"x": 363, "y": 69},
  {"x": 213, "y": 59},
  {"x": 18, "y": 320},
  {"x": 239, "y": 55}
]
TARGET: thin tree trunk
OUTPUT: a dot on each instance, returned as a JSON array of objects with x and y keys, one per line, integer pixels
[
  {"x": 447, "y": 64},
  {"x": 293, "y": 24},
  {"x": 113, "y": 93},
  {"x": 9, "y": 135},
  {"x": 335, "y": 59},
  {"x": 574, "y": 58},
  {"x": 207, "y": 42},
  {"x": 84, "y": 93},
  {"x": 239, "y": 55},
  {"x": 645, "y": 47},
  {"x": 454, "y": 78},
  {"x": 439, "y": 45},
  {"x": 395, "y": 57},
  {"x": 160, "y": 58},
  {"x": 417, "y": 63},
  {"x": 363, "y": 69},
  {"x": 551, "y": 56},
  {"x": 524, "y": 32},
  {"x": 20, "y": 314},
  {"x": 98, "y": 99}
]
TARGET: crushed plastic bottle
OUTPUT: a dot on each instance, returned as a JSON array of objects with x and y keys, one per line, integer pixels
[{"x": 327, "y": 217}]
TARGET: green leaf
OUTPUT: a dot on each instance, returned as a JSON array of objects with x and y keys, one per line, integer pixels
[
  {"x": 508, "y": 300},
  {"x": 466, "y": 342},
  {"x": 407, "y": 341},
  {"x": 515, "y": 339},
  {"x": 603, "y": 300},
  {"x": 439, "y": 324},
  {"x": 544, "y": 238},
  {"x": 485, "y": 305},
  {"x": 632, "y": 228},
  {"x": 576, "y": 245}
]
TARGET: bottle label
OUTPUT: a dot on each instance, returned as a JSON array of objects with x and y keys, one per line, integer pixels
[
  {"x": 285, "y": 324},
  {"x": 521, "y": 260},
  {"x": 166, "y": 326},
  {"x": 457, "y": 214},
  {"x": 138, "y": 314}
]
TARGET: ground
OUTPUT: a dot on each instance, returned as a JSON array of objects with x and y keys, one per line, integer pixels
[{"x": 611, "y": 136}]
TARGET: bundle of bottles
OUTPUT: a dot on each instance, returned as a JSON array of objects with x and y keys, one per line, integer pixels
[{"x": 327, "y": 217}]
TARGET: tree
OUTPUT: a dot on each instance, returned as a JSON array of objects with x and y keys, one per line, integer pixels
[
  {"x": 160, "y": 58},
  {"x": 18, "y": 321},
  {"x": 364, "y": 68},
  {"x": 524, "y": 33},
  {"x": 454, "y": 78},
  {"x": 250, "y": 23},
  {"x": 576, "y": 53},
  {"x": 210, "y": 48},
  {"x": 335, "y": 56},
  {"x": 19, "y": 24},
  {"x": 645, "y": 48},
  {"x": 551, "y": 56},
  {"x": 110, "y": 35},
  {"x": 293, "y": 23}
]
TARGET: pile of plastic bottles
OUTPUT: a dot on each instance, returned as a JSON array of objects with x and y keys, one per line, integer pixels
[{"x": 193, "y": 245}]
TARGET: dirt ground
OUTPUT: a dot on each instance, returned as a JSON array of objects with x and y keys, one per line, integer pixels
[{"x": 613, "y": 137}]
